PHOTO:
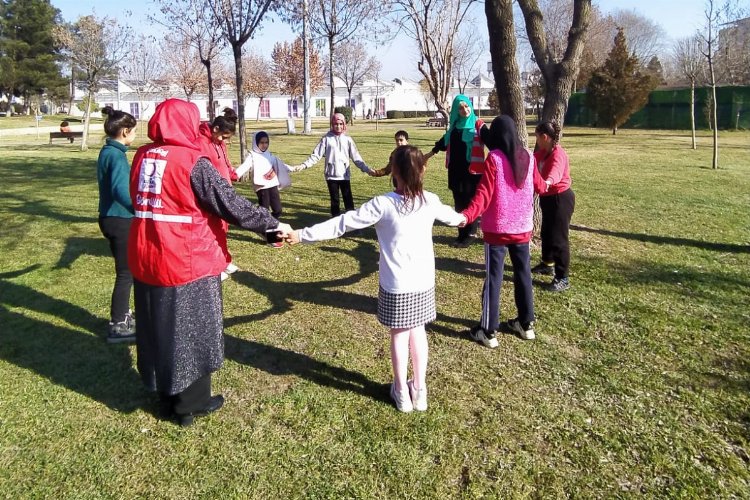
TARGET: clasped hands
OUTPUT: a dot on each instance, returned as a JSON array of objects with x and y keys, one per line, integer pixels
[{"x": 288, "y": 234}]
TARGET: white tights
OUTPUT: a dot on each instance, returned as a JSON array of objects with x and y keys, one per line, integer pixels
[{"x": 402, "y": 341}]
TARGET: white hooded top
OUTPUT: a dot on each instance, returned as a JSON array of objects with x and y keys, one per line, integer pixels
[{"x": 261, "y": 163}]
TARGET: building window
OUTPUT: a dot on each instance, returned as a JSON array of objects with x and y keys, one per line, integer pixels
[
  {"x": 135, "y": 111},
  {"x": 292, "y": 111},
  {"x": 320, "y": 107},
  {"x": 352, "y": 103},
  {"x": 265, "y": 108}
]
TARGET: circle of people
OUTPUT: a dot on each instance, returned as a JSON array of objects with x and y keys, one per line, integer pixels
[{"x": 166, "y": 220}]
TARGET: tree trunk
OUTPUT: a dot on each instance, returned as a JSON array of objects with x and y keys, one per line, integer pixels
[
  {"x": 330, "y": 70},
  {"x": 86, "y": 121},
  {"x": 72, "y": 90},
  {"x": 614, "y": 130},
  {"x": 237, "y": 52},
  {"x": 210, "y": 78},
  {"x": 692, "y": 112}
]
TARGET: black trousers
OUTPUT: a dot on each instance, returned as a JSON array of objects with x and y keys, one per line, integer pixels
[
  {"x": 334, "y": 186},
  {"x": 116, "y": 230},
  {"x": 557, "y": 210},
  {"x": 191, "y": 400},
  {"x": 462, "y": 196},
  {"x": 271, "y": 199}
]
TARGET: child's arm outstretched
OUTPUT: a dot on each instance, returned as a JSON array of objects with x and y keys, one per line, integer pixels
[
  {"x": 447, "y": 215},
  {"x": 367, "y": 215},
  {"x": 314, "y": 157},
  {"x": 357, "y": 158}
]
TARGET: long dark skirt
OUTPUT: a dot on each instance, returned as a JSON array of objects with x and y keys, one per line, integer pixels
[{"x": 179, "y": 333}]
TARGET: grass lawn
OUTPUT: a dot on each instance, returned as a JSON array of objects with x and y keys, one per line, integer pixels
[{"x": 638, "y": 382}]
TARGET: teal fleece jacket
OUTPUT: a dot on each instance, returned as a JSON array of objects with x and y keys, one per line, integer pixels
[{"x": 113, "y": 174}]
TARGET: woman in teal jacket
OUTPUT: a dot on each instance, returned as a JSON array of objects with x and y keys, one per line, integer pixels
[{"x": 115, "y": 215}]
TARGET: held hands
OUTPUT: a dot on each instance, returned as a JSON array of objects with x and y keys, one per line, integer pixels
[
  {"x": 464, "y": 222},
  {"x": 284, "y": 230},
  {"x": 292, "y": 237}
]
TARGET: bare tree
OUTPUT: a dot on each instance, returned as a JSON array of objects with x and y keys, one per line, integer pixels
[
  {"x": 732, "y": 56},
  {"x": 434, "y": 26},
  {"x": 559, "y": 74},
  {"x": 352, "y": 64},
  {"x": 142, "y": 69},
  {"x": 238, "y": 20},
  {"x": 645, "y": 38},
  {"x": 182, "y": 65},
  {"x": 691, "y": 65},
  {"x": 467, "y": 53},
  {"x": 192, "y": 20},
  {"x": 708, "y": 36},
  {"x": 259, "y": 78},
  {"x": 287, "y": 67},
  {"x": 95, "y": 46}
]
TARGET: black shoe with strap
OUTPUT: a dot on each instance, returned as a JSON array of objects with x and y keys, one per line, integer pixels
[{"x": 214, "y": 404}]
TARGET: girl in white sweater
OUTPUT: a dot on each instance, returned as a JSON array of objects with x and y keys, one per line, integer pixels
[
  {"x": 403, "y": 221},
  {"x": 337, "y": 148}
]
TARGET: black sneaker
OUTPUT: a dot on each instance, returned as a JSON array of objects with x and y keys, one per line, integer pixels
[
  {"x": 485, "y": 338},
  {"x": 543, "y": 268},
  {"x": 124, "y": 331},
  {"x": 558, "y": 285},
  {"x": 524, "y": 330}
]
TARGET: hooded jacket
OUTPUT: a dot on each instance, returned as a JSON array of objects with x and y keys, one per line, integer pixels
[{"x": 173, "y": 241}]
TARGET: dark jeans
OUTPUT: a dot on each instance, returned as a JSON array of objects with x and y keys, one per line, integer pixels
[
  {"x": 269, "y": 198},
  {"x": 557, "y": 209},
  {"x": 461, "y": 199},
  {"x": 116, "y": 230},
  {"x": 346, "y": 192},
  {"x": 494, "y": 261}
]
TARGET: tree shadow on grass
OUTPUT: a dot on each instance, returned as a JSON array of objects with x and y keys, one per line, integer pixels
[
  {"x": 666, "y": 240},
  {"x": 40, "y": 208},
  {"x": 75, "y": 247},
  {"x": 277, "y": 361},
  {"x": 63, "y": 354}
]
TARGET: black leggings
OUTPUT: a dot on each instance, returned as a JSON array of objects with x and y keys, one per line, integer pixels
[
  {"x": 116, "y": 230},
  {"x": 270, "y": 199},
  {"x": 557, "y": 209}
]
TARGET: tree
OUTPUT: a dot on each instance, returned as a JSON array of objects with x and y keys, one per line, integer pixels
[
  {"x": 619, "y": 88},
  {"x": 238, "y": 20},
  {"x": 691, "y": 65},
  {"x": 467, "y": 52},
  {"x": 434, "y": 25},
  {"x": 143, "y": 68},
  {"x": 259, "y": 78},
  {"x": 182, "y": 65},
  {"x": 655, "y": 69},
  {"x": 732, "y": 57},
  {"x": 287, "y": 68},
  {"x": 96, "y": 46},
  {"x": 559, "y": 73},
  {"x": 28, "y": 56},
  {"x": 645, "y": 38},
  {"x": 353, "y": 65},
  {"x": 192, "y": 20},
  {"x": 533, "y": 91},
  {"x": 713, "y": 17}
]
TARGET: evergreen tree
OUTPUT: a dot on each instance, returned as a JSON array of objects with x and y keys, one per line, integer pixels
[
  {"x": 618, "y": 88},
  {"x": 28, "y": 57}
]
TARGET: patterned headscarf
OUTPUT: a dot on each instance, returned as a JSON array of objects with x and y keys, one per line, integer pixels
[
  {"x": 466, "y": 124},
  {"x": 338, "y": 116}
]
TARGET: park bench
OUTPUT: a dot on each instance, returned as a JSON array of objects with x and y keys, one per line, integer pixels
[
  {"x": 436, "y": 121},
  {"x": 70, "y": 136}
]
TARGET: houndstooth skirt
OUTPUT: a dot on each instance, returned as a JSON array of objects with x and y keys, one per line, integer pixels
[{"x": 406, "y": 310}]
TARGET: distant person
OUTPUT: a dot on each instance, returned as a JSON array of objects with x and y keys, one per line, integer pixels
[
  {"x": 116, "y": 215},
  {"x": 176, "y": 257},
  {"x": 505, "y": 200},
  {"x": 215, "y": 136},
  {"x": 402, "y": 139},
  {"x": 338, "y": 149},
  {"x": 403, "y": 221},
  {"x": 464, "y": 159},
  {"x": 557, "y": 206},
  {"x": 65, "y": 128}
]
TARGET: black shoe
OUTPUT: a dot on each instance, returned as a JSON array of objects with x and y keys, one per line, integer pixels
[
  {"x": 559, "y": 285},
  {"x": 214, "y": 403},
  {"x": 544, "y": 268},
  {"x": 124, "y": 331}
]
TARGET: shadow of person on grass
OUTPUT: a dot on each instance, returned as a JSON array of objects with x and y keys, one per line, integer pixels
[
  {"x": 76, "y": 246},
  {"x": 63, "y": 354},
  {"x": 277, "y": 361}
]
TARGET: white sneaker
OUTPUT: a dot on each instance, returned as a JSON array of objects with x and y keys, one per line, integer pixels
[
  {"x": 526, "y": 331},
  {"x": 231, "y": 268},
  {"x": 418, "y": 397},
  {"x": 487, "y": 339},
  {"x": 402, "y": 400},
  {"x": 224, "y": 276}
]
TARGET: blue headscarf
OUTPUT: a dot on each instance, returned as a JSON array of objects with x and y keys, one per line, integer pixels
[{"x": 467, "y": 124}]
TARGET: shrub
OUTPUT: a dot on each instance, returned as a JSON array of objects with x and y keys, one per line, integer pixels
[{"x": 344, "y": 110}]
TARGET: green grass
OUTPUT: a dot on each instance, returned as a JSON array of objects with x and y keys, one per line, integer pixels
[{"x": 638, "y": 382}]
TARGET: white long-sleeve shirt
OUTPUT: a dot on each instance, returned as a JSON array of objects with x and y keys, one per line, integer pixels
[
  {"x": 407, "y": 258},
  {"x": 337, "y": 150}
]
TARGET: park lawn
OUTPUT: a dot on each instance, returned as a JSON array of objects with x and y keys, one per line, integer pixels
[{"x": 638, "y": 382}]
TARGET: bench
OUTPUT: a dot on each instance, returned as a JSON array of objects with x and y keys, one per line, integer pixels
[
  {"x": 65, "y": 135},
  {"x": 437, "y": 121}
]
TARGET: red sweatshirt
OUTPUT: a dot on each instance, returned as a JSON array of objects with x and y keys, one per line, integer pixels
[{"x": 555, "y": 168}]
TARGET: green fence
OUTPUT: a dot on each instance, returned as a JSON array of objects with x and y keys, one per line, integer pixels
[{"x": 670, "y": 109}]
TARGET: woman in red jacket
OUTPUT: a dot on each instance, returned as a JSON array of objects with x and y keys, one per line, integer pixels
[{"x": 557, "y": 205}]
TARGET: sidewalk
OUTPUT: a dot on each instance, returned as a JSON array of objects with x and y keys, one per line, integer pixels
[{"x": 94, "y": 128}]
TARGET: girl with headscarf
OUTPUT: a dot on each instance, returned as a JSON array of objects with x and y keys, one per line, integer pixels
[
  {"x": 337, "y": 148},
  {"x": 505, "y": 200},
  {"x": 176, "y": 254},
  {"x": 464, "y": 159}
]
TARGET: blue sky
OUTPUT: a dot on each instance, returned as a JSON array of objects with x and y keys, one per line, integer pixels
[{"x": 679, "y": 18}]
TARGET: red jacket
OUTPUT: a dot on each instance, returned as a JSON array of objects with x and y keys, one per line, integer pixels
[
  {"x": 555, "y": 168},
  {"x": 173, "y": 241},
  {"x": 217, "y": 153}
]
